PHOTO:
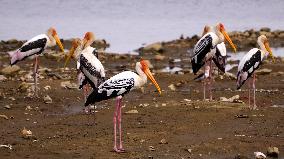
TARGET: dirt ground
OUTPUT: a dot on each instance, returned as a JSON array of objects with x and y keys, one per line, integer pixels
[{"x": 189, "y": 127}]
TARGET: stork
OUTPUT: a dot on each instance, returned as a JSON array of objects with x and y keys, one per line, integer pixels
[
  {"x": 251, "y": 62},
  {"x": 205, "y": 50},
  {"x": 35, "y": 47},
  {"x": 117, "y": 86}
]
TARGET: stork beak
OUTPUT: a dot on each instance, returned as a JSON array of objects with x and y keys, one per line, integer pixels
[
  {"x": 150, "y": 76},
  {"x": 70, "y": 55},
  {"x": 266, "y": 45},
  {"x": 58, "y": 42},
  {"x": 229, "y": 40}
]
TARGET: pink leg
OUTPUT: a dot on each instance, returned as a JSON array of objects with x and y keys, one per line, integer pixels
[
  {"x": 253, "y": 85},
  {"x": 115, "y": 118},
  {"x": 210, "y": 81},
  {"x": 119, "y": 125},
  {"x": 204, "y": 85},
  {"x": 35, "y": 76},
  {"x": 249, "y": 84}
]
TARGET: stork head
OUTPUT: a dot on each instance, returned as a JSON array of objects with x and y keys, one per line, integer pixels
[
  {"x": 146, "y": 70},
  {"x": 51, "y": 32},
  {"x": 220, "y": 28},
  {"x": 206, "y": 29},
  {"x": 75, "y": 44},
  {"x": 89, "y": 38},
  {"x": 262, "y": 39}
]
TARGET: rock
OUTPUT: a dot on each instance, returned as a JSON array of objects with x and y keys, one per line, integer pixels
[
  {"x": 159, "y": 57},
  {"x": 28, "y": 108},
  {"x": 259, "y": 155},
  {"x": 164, "y": 104},
  {"x": 172, "y": 87},
  {"x": 7, "y": 146},
  {"x": 69, "y": 85},
  {"x": 234, "y": 99},
  {"x": 134, "y": 111},
  {"x": 7, "y": 107},
  {"x": 239, "y": 156},
  {"x": 4, "y": 116},
  {"x": 151, "y": 148},
  {"x": 12, "y": 98},
  {"x": 263, "y": 71},
  {"x": 2, "y": 78},
  {"x": 265, "y": 29},
  {"x": 163, "y": 141},
  {"x": 26, "y": 133},
  {"x": 47, "y": 88},
  {"x": 280, "y": 73},
  {"x": 47, "y": 99},
  {"x": 10, "y": 70},
  {"x": 273, "y": 152},
  {"x": 153, "y": 47},
  {"x": 189, "y": 150}
]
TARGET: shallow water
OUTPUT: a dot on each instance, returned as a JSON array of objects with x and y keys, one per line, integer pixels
[{"x": 128, "y": 24}]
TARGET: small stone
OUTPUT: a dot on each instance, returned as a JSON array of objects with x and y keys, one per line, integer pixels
[
  {"x": 23, "y": 87},
  {"x": 69, "y": 85},
  {"x": 47, "y": 99},
  {"x": 7, "y": 107},
  {"x": 273, "y": 152},
  {"x": 9, "y": 70},
  {"x": 263, "y": 71},
  {"x": 134, "y": 111},
  {"x": 4, "y": 116},
  {"x": 259, "y": 155},
  {"x": 2, "y": 78},
  {"x": 47, "y": 88},
  {"x": 164, "y": 104},
  {"x": 163, "y": 141},
  {"x": 151, "y": 148},
  {"x": 172, "y": 87},
  {"x": 12, "y": 98},
  {"x": 189, "y": 150},
  {"x": 28, "y": 108},
  {"x": 26, "y": 133}
]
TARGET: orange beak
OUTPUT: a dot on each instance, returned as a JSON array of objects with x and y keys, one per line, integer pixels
[
  {"x": 229, "y": 40},
  {"x": 150, "y": 76},
  {"x": 58, "y": 42},
  {"x": 266, "y": 45},
  {"x": 70, "y": 55}
]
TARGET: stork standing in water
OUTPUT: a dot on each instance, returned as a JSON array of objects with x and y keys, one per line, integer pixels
[
  {"x": 35, "y": 47},
  {"x": 205, "y": 49},
  {"x": 90, "y": 69},
  {"x": 251, "y": 62},
  {"x": 117, "y": 86}
]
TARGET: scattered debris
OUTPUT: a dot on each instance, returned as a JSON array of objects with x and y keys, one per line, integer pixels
[
  {"x": 7, "y": 146},
  {"x": 28, "y": 108},
  {"x": 172, "y": 87},
  {"x": 134, "y": 111},
  {"x": 4, "y": 116},
  {"x": 23, "y": 87},
  {"x": 273, "y": 152},
  {"x": 151, "y": 148},
  {"x": 47, "y": 88},
  {"x": 47, "y": 99},
  {"x": 189, "y": 150},
  {"x": 163, "y": 141},
  {"x": 69, "y": 85},
  {"x": 241, "y": 116},
  {"x": 259, "y": 155}
]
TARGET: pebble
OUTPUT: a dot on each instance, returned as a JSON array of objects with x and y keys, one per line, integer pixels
[
  {"x": 7, "y": 106},
  {"x": 259, "y": 155},
  {"x": 47, "y": 99},
  {"x": 69, "y": 85},
  {"x": 9, "y": 70},
  {"x": 2, "y": 78},
  {"x": 172, "y": 87},
  {"x": 134, "y": 111},
  {"x": 263, "y": 71},
  {"x": 4, "y": 116},
  {"x": 151, "y": 148},
  {"x": 164, "y": 104},
  {"x": 163, "y": 141}
]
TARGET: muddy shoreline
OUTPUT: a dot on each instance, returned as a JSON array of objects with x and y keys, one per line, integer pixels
[{"x": 177, "y": 124}]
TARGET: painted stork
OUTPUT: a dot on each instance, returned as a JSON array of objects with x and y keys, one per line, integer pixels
[
  {"x": 90, "y": 69},
  {"x": 220, "y": 60},
  {"x": 205, "y": 50},
  {"x": 117, "y": 86},
  {"x": 34, "y": 47},
  {"x": 251, "y": 62}
]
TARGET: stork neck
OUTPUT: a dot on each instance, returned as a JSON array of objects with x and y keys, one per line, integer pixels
[
  {"x": 219, "y": 34},
  {"x": 142, "y": 76},
  {"x": 50, "y": 41},
  {"x": 262, "y": 47}
]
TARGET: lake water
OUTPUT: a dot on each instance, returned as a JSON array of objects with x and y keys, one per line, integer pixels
[{"x": 127, "y": 24}]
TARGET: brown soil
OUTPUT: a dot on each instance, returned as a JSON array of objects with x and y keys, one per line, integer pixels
[{"x": 209, "y": 129}]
